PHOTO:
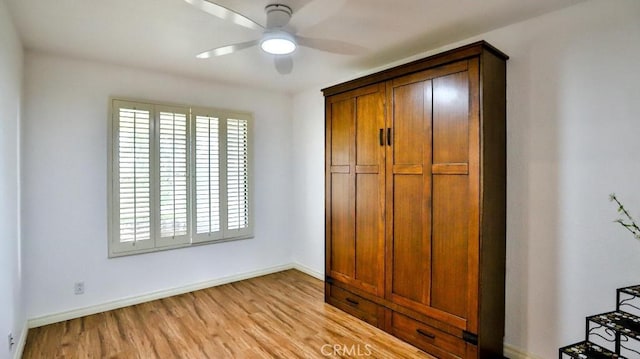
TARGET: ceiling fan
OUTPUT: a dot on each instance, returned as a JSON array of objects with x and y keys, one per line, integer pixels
[{"x": 277, "y": 38}]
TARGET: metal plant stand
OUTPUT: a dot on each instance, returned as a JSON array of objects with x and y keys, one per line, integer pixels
[{"x": 618, "y": 331}]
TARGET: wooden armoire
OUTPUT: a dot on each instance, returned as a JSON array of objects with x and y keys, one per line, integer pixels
[{"x": 416, "y": 201}]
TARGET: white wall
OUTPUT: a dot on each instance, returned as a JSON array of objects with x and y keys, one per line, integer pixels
[
  {"x": 308, "y": 180},
  {"x": 12, "y": 311},
  {"x": 573, "y": 137},
  {"x": 65, "y": 179}
]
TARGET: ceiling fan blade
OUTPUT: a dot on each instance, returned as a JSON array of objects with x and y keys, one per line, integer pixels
[
  {"x": 314, "y": 12},
  {"x": 334, "y": 46},
  {"x": 284, "y": 64},
  {"x": 225, "y": 13},
  {"x": 228, "y": 49}
]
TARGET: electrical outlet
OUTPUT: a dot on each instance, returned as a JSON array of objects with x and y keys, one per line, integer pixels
[
  {"x": 78, "y": 288},
  {"x": 11, "y": 341}
]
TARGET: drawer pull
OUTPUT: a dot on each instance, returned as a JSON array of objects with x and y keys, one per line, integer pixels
[
  {"x": 423, "y": 333},
  {"x": 352, "y": 301}
]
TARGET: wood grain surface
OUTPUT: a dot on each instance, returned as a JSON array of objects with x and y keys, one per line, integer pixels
[{"x": 280, "y": 315}]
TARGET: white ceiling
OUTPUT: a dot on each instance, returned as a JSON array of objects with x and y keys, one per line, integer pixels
[{"x": 166, "y": 35}]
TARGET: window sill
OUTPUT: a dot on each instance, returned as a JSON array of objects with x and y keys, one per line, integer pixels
[{"x": 114, "y": 254}]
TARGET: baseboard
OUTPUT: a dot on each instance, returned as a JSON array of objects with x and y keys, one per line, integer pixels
[
  {"x": 306, "y": 270},
  {"x": 125, "y": 302},
  {"x": 22, "y": 341},
  {"x": 512, "y": 352}
]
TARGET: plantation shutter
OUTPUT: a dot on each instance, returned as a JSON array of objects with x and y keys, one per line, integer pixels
[
  {"x": 237, "y": 177},
  {"x": 206, "y": 180},
  {"x": 132, "y": 202},
  {"x": 173, "y": 169},
  {"x": 178, "y": 176}
]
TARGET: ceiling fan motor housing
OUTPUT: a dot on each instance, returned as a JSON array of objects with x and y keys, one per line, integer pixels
[{"x": 278, "y": 15}]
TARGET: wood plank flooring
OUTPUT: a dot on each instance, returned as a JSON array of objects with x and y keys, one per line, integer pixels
[{"x": 281, "y": 315}]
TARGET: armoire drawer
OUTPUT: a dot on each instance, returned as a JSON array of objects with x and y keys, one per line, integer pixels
[
  {"x": 354, "y": 305},
  {"x": 428, "y": 338}
]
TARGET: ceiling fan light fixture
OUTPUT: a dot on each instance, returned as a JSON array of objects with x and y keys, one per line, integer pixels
[{"x": 278, "y": 43}]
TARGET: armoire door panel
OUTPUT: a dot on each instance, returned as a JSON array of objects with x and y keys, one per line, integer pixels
[
  {"x": 411, "y": 252},
  {"x": 409, "y": 125},
  {"x": 449, "y": 244},
  {"x": 369, "y": 229},
  {"x": 369, "y": 192},
  {"x": 341, "y": 132},
  {"x": 369, "y": 121},
  {"x": 356, "y": 240},
  {"x": 410, "y": 212},
  {"x": 342, "y": 226},
  {"x": 451, "y": 118}
]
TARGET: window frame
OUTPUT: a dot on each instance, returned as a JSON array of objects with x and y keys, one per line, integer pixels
[{"x": 116, "y": 248}]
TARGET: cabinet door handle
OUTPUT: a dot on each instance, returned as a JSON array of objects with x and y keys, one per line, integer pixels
[
  {"x": 352, "y": 301},
  {"x": 423, "y": 333},
  {"x": 389, "y": 136},
  {"x": 381, "y": 137}
]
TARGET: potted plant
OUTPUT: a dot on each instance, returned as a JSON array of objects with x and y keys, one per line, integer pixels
[{"x": 625, "y": 219}]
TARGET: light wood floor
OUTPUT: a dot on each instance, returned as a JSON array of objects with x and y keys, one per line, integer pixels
[{"x": 280, "y": 315}]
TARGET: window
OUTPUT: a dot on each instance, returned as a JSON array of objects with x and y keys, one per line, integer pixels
[{"x": 179, "y": 176}]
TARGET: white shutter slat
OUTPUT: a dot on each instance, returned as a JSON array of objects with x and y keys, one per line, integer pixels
[
  {"x": 172, "y": 149},
  {"x": 207, "y": 177},
  {"x": 133, "y": 161},
  {"x": 237, "y": 174}
]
